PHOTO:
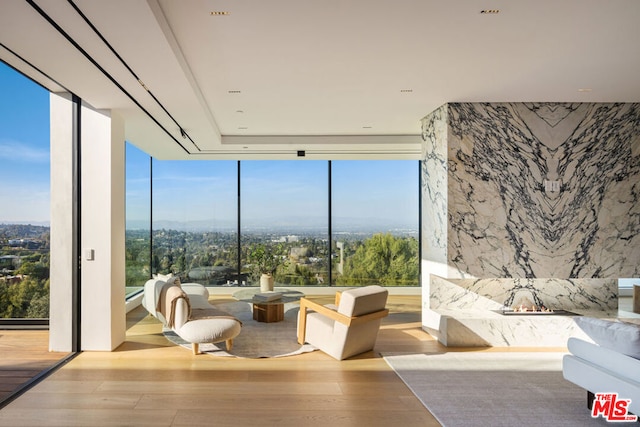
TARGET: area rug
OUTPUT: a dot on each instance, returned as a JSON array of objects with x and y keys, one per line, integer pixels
[
  {"x": 257, "y": 339},
  {"x": 495, "y": 389}
]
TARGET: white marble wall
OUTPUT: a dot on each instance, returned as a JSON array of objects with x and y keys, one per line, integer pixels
[
  {"x": 495, "y": 294},
  {"x": 500, "y": 221},
  {"x": 434, "y": 186},
  {"x": 493, "y": 232}
]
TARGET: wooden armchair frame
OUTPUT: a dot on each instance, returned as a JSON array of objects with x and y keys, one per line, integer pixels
[{"x": 306, "y": 304}]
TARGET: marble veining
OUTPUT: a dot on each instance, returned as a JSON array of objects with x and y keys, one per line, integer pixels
[
  {"x": 464, "y": 312},
  {"x": 502, "y": 237},
  {"x": 498, "y": 293},
  {"x": 434, "y": 187},
  {"x": 500, "y": 222}
]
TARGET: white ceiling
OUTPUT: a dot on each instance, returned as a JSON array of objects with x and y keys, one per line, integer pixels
[{"x": 336, "y": 78}]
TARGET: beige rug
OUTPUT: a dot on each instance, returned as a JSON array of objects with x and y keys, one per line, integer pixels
[
  {"x": 257, "y": 339},
  {"x": 495, "y": 389}
]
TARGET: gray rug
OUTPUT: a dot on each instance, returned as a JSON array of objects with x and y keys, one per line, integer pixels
[
  {"x": 257, "y": 339},
  {"x": 495, "y": 389}
]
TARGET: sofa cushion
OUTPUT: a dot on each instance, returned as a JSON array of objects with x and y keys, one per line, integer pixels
[
  {"x": 198, "y": 295},
  {"x": 618, "y": 336},
  {"x": 168, "y": 278},
  {"x": 152, "y": 290},
  {"x": 613, "y": 361},
  {"x": 364, "y": 300},
  {"x": 210, "y": 330}
]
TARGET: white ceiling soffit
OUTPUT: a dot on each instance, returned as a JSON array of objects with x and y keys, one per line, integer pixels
[{"x": 332, "y": 78}]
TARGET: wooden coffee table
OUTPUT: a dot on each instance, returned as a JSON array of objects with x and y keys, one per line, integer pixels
[{"x": 268, "y": 311}]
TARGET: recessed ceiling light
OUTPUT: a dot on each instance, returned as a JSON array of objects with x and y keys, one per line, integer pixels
[
  {"x": 219, "y": 13},
  {"x": 585, "y": 89},
  {"x": 234, "y": 91},
  {"x": 490, "y": 11}
]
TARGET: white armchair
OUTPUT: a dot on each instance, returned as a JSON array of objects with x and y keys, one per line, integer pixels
[{"x": 346, "y": 328}]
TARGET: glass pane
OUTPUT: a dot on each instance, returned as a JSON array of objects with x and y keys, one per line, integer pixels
[
  {"x": 375, "y": 223},
  {"x": 25, "y": 195},
  {"x": 195, "y": 220},
  {"x": 138, "y": 218},
  {"x": 285, "y": 208}
]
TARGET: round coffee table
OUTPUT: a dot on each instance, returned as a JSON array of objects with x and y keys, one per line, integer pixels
[{"x": 268, "y": 311}]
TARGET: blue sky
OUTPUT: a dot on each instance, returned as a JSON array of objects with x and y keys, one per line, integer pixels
[
  {"x": 203, "y": 191},
  {"x": 24, "y": 149},
  {"x": 282, "y": 192}
]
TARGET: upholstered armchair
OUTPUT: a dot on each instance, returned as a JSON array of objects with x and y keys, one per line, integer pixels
[{"x": 346, "y": 328}]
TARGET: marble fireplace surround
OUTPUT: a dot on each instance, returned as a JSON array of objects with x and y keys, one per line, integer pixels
[{"x": 462, "y": 311}]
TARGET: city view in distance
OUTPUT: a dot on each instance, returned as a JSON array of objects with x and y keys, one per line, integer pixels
[
  {"x": 284, "y": 204},
  {"x": 291, "y": 218}
]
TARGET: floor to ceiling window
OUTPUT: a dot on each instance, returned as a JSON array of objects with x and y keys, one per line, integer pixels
[
  {"x": 195, "y": 220},
  {"x": 375, "y": 223},
  {"x": 138, "y": 218},
  {"x": 209, "y": 219},
  {"x": 24, "y": 195},
  {"x": 285, "y": 208}
]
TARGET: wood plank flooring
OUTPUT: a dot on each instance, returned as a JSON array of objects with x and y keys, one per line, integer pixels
[
  {"x": 23, "y": 355},
  {"x": 149, "y": 381}
]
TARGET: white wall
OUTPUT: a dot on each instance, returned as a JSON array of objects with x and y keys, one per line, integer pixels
[
  {"x": 103, "y": 313},
  {"x": 61, "y": 272},
  {"x": 102, "y": 210}
]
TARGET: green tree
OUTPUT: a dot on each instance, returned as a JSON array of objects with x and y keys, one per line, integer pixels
[
  {"x": 38, "y": 307},
  {"x": 36, "y": 270},
  {"x": 382, "y": 259},
  {"x": 15, "y": 299}
]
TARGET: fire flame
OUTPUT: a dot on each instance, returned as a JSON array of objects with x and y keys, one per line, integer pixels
[{"x": 524, "y": 309}]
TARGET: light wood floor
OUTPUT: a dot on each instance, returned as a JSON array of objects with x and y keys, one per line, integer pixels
[
  {"x": 23, "y": 355},
  {"x": 149, "y": 381}
]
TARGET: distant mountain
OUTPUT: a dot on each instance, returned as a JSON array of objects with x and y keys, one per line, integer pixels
[
  {"x": 301, "y": 225},
  {"x": 34, "y": 223}
]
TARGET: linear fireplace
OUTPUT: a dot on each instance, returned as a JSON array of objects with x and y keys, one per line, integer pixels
[{"x": 512, "y": 312}]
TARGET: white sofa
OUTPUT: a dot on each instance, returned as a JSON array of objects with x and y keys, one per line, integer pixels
[
  {"x": 609, "y": 364},
  {"x": 193, "y": 318}
]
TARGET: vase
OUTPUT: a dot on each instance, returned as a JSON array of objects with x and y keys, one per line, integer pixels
[{"x": 266, "y": 283}]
